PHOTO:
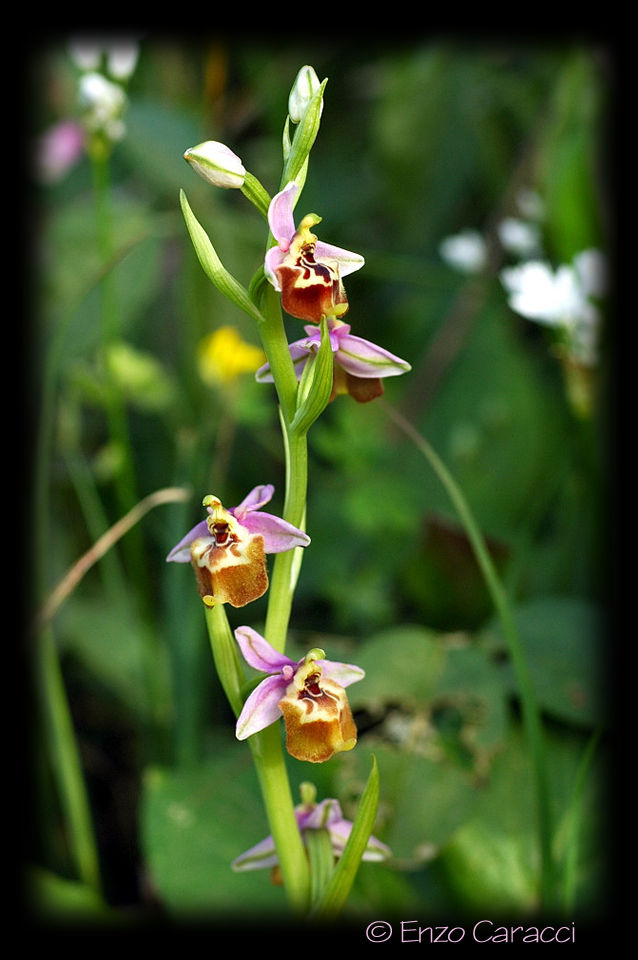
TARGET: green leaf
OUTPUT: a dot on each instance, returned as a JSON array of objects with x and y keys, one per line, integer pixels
[
  {"x": 213, "y": 267},
  {"x": 424, "y": 799},
  {"x": 492, "y": 860},
  {"x": 343, "y": 876},
  {"x": 561, "y": 640},
  {"x": 194, "y": 822}
]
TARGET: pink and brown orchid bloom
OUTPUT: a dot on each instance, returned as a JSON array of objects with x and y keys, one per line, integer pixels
[
  {"x": 310, "y": 815},
  {"x": 359, "y": 365},
  {"x": 306, "y": 271},
  {"x": 228, "y": 549},
  {"x": 308, "y": 693}
]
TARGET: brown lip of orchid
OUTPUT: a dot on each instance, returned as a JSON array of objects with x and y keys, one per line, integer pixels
[
  {"x": 317, "y": 714},
  {"x": 305, "y": 270}
]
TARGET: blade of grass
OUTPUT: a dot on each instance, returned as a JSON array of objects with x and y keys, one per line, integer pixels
[
  {"x": 531, "y": 713},
  {"x": 576, "y": 817}
]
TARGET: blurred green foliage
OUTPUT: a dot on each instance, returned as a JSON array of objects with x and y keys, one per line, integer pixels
[{"x": 418, "y": 141}]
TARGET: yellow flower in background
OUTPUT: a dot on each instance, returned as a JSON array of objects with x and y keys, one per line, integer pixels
[{"x": 223, "y": 356}]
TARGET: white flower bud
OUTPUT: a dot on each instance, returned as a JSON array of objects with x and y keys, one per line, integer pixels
[
  {"x": 217, "y": 164},
  {"x": 306, "y": 84}
]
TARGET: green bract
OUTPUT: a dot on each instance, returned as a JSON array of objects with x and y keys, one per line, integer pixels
[
  {"x": 213, "y": 267},
  {"x": 315, "y": 386}
]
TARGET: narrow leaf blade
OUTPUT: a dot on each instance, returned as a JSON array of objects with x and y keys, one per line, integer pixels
[{"x": 338, "y": 888}]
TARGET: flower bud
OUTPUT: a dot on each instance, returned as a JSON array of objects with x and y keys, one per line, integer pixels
[
  {"x": 305, "y": 86},
  {"x": 217, "y": 164}
]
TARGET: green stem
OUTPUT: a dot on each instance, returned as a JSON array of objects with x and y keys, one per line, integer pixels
[
  {"x": 286, "y": 565},
  {"x": 531, "y": 713},
  {"x": 275, "y": 344},
  {"x": 271, "y": 770}
]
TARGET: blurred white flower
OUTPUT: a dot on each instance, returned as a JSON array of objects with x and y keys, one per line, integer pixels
[
  {"x": 592, "y": 272},
  {"x": 530, "y": 204},
  {"x": 465, "y": 251},
  {"x": 561, "y": 299},
  {"x": 102, "y": 103},
  {"x": 85, "y": 54},
  {"x": 538, "y": 293},
  {"x": 519, "y": 237},
  {"x": 121, "y": 58},
  {"x": 120, "y": 55}
]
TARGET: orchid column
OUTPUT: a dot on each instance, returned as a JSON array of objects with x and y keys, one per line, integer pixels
[{"x": 302, "y": 276}]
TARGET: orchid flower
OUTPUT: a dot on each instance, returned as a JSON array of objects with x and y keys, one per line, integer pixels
[
  {"x": 227, "y": 549},
  {"x": 325, "y": 815},
  {"x": 358, "y": 364},
  {"x": 308, "y": 693},
  {"x": 306, "y": 271}
]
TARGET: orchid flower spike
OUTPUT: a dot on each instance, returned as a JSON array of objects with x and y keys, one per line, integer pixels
[
  {"x": 307, "y": 272},
  {"x": 325, "y": 815},
  {"x": 359, "y": 365},
  {"x": 227, "y": 549},
  {"x": 309, "y": 694}
]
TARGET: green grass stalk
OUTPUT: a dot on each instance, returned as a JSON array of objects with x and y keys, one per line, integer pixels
[{"x": 531, "y": 714}]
